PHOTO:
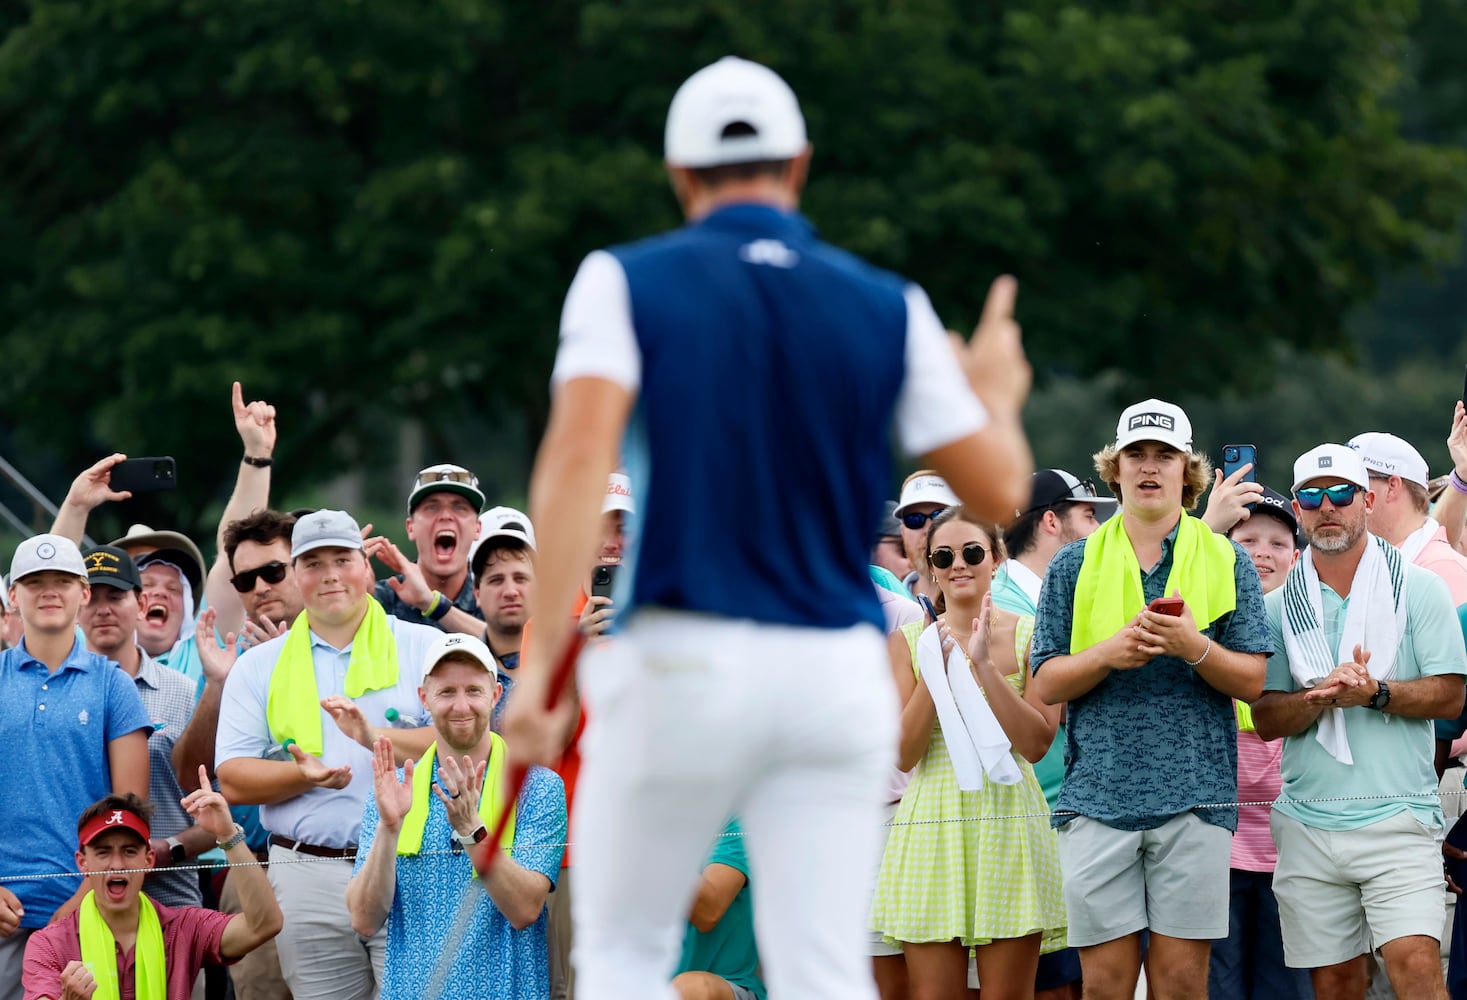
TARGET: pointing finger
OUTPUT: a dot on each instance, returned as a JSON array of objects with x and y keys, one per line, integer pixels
[{"x": 1002, "y": 294}]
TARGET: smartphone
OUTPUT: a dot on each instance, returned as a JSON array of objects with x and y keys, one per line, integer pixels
[
  {"x": 1235, "y": 456},
  {"x": 144, "y": 475},
  {"x": 603, "y": 578},
  {"x": 927, "y": 608},
  {"x": 1464, "y": 386},
  {"x": 1166, "y": 606}
]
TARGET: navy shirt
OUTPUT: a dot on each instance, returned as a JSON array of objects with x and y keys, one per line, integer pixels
[
  {"x": 55, "y": 729},
  {"x": 1149, "y": 744},
  {"x": 769, "y": 370}
]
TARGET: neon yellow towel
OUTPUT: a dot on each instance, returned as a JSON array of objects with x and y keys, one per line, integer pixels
[
  {"x": 1108, "y": 593},
  {"x": 491, "y": 798},
  {"x": 99, "y": 950},
  {"x": 293, "y": 707}
]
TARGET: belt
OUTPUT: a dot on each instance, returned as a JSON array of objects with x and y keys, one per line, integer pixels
[{"x": 340, "y": 853}]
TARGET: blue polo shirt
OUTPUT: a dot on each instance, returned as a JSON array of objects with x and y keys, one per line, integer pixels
[
  {"x": 496, "y": 962},
  {"x": 55, "y": 729},
  {"x": 770, "y": 370}
]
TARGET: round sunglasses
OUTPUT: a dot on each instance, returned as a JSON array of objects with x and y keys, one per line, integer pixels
[{"x": 944, "y": 557}]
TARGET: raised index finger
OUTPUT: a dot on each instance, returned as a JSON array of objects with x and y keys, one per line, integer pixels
[
  {"x": 1002, "y": 295},
  {"x": 237, "y": 399}
]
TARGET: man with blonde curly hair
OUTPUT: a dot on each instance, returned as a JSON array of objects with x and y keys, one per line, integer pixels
[{"x": 1151, "y": 755}]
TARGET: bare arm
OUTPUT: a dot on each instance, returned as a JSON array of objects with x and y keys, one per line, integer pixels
[
  {"x": 1277, "y": 714},
  {"x": 1030, "y": 728},
  {"x": 990, "y": 469},
  {"x": 517, "y": 892},
  {"x": 717, "y": 890},
  {"x": 255, "y": 424},
  {"x": 88, "y": 491},
  {"x": 195, "y": 745},
  {"x": 370, "y": 892},
  {"x": 127, "y": 758},
  {"x": 1451, "y": 509},
  {"x": 577, "y": 455},
  {"x": 250, "y": 781},
  {"x": 1062, "y": 679},
  {"x": 1438, "y": 697},
  {"x": 919, "y": 714}
]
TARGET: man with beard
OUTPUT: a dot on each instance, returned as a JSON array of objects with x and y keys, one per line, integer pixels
[
  {"x": 119, "y": 937},
  {"x": 454, "y": 795},
  {"x": 443, "y": 521},
  {"x": 1367, "y": 652}
]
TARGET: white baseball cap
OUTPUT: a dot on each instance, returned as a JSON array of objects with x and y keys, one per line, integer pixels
[
  {"x": 499, "y": 522},
  {"x": 1154, "y": 420},
  {"x": 42, "y": 552},
  {"x": 324, "y": 529},
  {"x": 925, "y": 489},
  {"x": 618, "y": 494},
  {"x": 1387, "y": 455},
  {"x": 459, "y": 642},
  {"x": 733, "y": 92},
  {"x": 1335, "y": 461}
]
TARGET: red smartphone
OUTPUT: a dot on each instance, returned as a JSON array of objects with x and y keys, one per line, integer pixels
[{"x": 1166, "y": 606}]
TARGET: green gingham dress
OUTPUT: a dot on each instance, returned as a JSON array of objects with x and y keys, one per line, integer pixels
[{"x": 950, "y": 871}]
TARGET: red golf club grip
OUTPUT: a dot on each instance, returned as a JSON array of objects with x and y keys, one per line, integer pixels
[{"x": 485, "y": 859}]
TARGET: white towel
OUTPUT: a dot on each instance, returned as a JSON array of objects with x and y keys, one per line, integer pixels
[
  {"x": 1375, "y": 621},
  {"x": 976, "y": 742}
]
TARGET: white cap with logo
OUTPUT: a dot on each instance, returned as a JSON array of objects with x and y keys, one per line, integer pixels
[
  {"x": 42, "y": 552},
  {"x": 459, "y": 642},
  {"x": 1330, "y": 461},
  {"x": 618, "y": 494},
  {"x": 1387, "y": 455},
  {"x": 1154, "y": 420},
  {"x": 925, "y": 489},
  {"x": 733, "y": 111}
]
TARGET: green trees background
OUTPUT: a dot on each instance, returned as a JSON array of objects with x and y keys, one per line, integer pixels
[{"x": 368, "y": 213}]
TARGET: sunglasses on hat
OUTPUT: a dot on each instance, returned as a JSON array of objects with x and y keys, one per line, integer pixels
[
  {"x": 943, "y": 557},
  {"x": 1340, "y": 495},
  {"x": 916, "y": 522},
  {"x": 428, "y": 478},
  {"x": 272, "y": 572}
]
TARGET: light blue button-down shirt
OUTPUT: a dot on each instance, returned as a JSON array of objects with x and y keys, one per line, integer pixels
[{"x": 327, "y": 817}]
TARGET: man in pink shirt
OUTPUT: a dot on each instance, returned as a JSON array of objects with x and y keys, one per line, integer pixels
[
  {"x": 1402, "y": 512},
  {"x": 146, "y": 943}
]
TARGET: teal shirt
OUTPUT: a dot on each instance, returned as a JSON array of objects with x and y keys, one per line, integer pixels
[
  {"x": 728, "y": 950},
  {"x": 1393, "y": 755},
  {"x": 1009, "y": 596}
]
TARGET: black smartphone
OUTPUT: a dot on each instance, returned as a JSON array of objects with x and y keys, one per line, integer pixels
[
  {"x": 1464, "y": 385},
  {"x": 603, "y": 578},
  {"x": 927, "y": 608},
  {"x": 1235, "y": 456},
  {"x": 144, "y": 475}
]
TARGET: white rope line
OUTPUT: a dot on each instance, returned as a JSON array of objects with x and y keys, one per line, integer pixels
[{"x": 524, "y": 848}]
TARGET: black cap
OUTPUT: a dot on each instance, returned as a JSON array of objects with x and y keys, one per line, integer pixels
[
  {"x": 1052, "y": 486},
  {"x": 1275, "y": 504},
  {"x": 890, "y": 526},
  {"x": 112, "y": 567},
  {"x": 184, "y": 561}
]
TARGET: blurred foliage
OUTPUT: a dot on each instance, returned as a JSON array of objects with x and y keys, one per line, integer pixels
[{"x": 368, "y": 213}]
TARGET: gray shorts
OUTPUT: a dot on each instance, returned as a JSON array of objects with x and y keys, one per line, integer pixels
[
  {"x": 741, "y": 992},
  {"x": 1172, "y": 880},
  {"x": 1342, "y": 893}
]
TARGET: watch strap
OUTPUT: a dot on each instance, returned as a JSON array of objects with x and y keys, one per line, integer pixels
[
  {"x": 234, "y": 841},
  {"x": 477, "y": 837},
  {"x": 177, "y": 853},
  {"x": 259, "y": 463}
]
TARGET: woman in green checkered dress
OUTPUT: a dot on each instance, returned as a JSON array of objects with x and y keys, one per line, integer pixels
[{"x": 971, "y": 869}]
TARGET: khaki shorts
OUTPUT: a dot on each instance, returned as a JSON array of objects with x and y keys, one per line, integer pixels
[
  {"x": 1172, "y": 880},
  {"x": 1343, "y": 893}
]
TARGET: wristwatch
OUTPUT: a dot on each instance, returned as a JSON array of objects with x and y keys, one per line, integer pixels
[
  {"x": 176, "y": 853},
  {"x": 234, "y": 841},
  {"x": 1382, "y": 696},
  {"x": 477, "y": 837}
]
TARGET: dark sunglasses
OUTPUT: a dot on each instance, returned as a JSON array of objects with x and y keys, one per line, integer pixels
[
  {"x": 916, "y": 522},
  {"x": 1341, "y": 495},
  {"x": 272, "y": 572},
  {"x": 942, "y": 558}
]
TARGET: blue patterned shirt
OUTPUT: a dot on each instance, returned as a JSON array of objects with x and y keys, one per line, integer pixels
[
  {"x": 1149, "y": 744},
  {"x": 496, "y": 962}
]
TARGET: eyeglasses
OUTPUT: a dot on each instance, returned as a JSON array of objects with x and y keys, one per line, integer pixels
[
  {"x": 916, "y": 522},
  {"x": 430, "y": 476},
  {"x": 1340, "y": 495},
  {"x": 272, "y": 572},
  {"x": 943, "y": 558}
]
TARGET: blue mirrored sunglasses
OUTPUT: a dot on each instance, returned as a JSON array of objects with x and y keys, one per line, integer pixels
[{"x": 1340, "y": 495}]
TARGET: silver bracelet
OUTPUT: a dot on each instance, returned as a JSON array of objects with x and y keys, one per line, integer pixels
[{"x": 1198, "y": 662}]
